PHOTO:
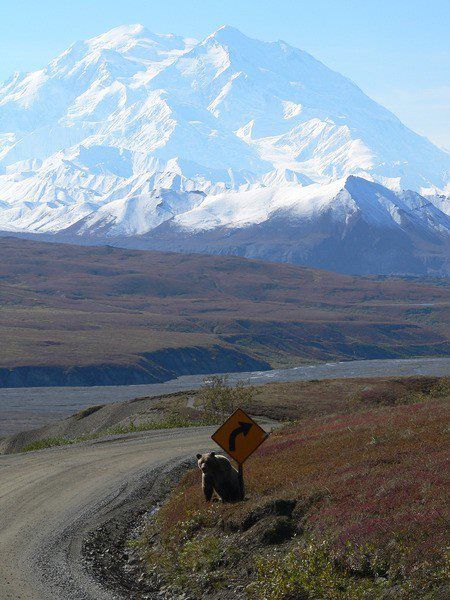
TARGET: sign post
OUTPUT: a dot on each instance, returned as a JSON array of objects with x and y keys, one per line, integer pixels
[
  {"x": 241, "y": 480},
  {"x": 240, "y": 436}
]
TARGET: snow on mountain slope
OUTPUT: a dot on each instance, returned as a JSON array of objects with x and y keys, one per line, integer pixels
[
  {"x": 442, "y": 201},
  {"x": 439, "y": 197},
  {"x": 351, "y": 225},
  {"x": 226, "y": 102},
  {"x": 132, "y": 132},
  {"x": 341, "y": 199},
  {"x": 183, "y": 220},
  {"x": 136, "y": 214},
  {"x": 244, "y": 208}
]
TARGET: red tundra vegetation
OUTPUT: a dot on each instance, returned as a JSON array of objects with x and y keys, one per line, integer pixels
[{"x": 341, "y": 506}]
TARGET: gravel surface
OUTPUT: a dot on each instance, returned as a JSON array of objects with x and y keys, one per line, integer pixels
[
  {"x": 53, "y": 500},
  {"x": 27, "y": 408}
]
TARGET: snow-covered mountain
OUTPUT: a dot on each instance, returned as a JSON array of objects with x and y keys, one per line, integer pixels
[
  {"x": 166, "y": 139},
  {"x": 350, "y": 225}
]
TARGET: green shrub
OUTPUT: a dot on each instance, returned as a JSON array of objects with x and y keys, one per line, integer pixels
[
  {"x": 217, "y": 396},
  {"x": 195, "y": 564},
  {"x": 46, "y": 443},
  {"x": 308, "y": 572},
  {"x": 441, "y": 388}
]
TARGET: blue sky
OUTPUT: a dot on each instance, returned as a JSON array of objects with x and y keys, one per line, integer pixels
[{"x": 397, "y": 51}]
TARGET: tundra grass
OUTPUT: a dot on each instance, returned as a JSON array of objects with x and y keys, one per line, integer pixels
[
  {"x": 64, "y": 306},
  {"x": 170, "y": 422}
]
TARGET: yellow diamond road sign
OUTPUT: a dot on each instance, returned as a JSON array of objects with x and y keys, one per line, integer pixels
[{"x": 239, "y": 436}]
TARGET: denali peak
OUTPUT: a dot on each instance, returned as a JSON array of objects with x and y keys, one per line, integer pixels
[{"x": 136, "y": 131}]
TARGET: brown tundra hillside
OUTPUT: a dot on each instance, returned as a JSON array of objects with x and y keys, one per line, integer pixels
[{"x": 73, "y": 315}]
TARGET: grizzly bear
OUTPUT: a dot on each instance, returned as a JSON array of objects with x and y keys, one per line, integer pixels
[{"x": 218, "y": 475}]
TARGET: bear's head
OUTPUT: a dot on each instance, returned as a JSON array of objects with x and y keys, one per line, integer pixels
[{"x": 206, "y": 461}]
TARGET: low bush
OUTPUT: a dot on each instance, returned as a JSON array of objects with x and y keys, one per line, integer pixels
[
  {"x": 310, "y": 571},
  {"x": 217, "y": 396}
]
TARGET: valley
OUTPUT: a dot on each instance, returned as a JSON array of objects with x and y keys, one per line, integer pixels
[
  {"x": 40, "y": 407},
  {"x": 75, "y": 316}
]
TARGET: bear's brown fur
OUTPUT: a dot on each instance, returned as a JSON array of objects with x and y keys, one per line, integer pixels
[{"x": 218, "y": 475}]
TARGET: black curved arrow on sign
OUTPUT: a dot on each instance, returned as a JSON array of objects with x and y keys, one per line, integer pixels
[{"x": 243, "y": 428}]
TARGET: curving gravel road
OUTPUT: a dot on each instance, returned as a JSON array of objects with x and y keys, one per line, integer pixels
[{"x": 50, "y": 499}]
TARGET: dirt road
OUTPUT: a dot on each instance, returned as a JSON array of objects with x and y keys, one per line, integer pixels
[{"x": 50, "y": 499}]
